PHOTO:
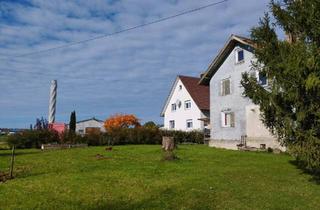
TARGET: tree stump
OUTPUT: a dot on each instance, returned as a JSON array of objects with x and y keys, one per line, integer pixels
[{"x": 167, "y": 143}]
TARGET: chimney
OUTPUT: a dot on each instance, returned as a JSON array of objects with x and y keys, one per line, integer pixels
[{"x": 52, "y": 101}]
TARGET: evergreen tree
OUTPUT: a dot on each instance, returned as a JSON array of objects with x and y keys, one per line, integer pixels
[
  {"x": 290, "y": 106},
  {"x": 150, "y": 124},
  {"x": 72, "y": 123}
]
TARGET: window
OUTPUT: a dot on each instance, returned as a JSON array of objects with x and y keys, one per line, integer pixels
[
  {"x": 225, "y": 87},
  {"x": 239, "y": 55},
  {"x": 187, "y": 104},
  {"x": 262, "y": 78},
  {"x": 180, "y": 87},
  {"x": 171, "y": 124},
  {"x": 189, "y": 124},
  {"x": 227, "y": 119},
  {"x": 173, "y": 107},
  {"x": 81, "y": 131}
]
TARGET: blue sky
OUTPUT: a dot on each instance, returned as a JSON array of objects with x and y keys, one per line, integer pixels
[{"x": 128, "y": 73}]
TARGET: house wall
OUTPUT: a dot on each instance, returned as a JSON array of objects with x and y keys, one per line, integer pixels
[
  {"x": 257, "y": 133},
  {"x": 181, "y": 115},
  {"x": 229, "y": 137},
  {"x": 91, "y": 124}
]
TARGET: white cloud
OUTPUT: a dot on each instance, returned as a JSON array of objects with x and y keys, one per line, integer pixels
[{"x": 131, "y": 72}]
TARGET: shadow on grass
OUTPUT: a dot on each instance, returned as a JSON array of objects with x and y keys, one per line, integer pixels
[
  {"x": 151, "y": 202},
  {"x": 17, "y": 153},
  {"x": 315, "y": 177}
]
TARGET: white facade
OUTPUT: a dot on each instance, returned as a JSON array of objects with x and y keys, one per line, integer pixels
[
  {"x": 181, "y": 112},
  {"x": 232, "y": 116},
  {"x": 81, "y": 126}
]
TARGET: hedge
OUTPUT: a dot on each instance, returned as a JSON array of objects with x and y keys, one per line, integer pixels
[{"x": 139, "y": 135}]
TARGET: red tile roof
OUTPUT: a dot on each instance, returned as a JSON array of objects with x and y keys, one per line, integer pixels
[{"x": 199, "y": 93}]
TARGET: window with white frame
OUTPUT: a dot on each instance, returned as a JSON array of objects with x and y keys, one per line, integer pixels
[
  {"x": 227, "y": 119},
  {"x": 171, "y": 124},
  {"x": 189, "y": 123},
  {"x": 225, "y": 87},
  {"x": 187, "y": 104},
  {"x": 239, "y": 55},
  {"x": 173, "y": 107}
]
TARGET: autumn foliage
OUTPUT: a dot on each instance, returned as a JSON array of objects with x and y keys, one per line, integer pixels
[{"x": 121, "y": 121}]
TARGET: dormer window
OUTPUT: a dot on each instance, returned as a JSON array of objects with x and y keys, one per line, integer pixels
[{"x": 239, "y": 55}]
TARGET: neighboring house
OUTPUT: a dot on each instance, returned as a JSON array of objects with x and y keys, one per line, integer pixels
[
  {"x": 59, "y": 127},
  {"x": 187, "y": 106},
  {"x": 235, "y": 119},
  {"x": 89, "y": 125}
]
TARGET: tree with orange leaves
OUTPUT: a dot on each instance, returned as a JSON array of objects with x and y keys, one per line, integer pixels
[{"x": 118, "y": 121}]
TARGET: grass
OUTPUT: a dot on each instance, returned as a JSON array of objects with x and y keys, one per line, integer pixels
[
  {"x": 134, "y": 177},
  {"x": 3, "y": 143}
]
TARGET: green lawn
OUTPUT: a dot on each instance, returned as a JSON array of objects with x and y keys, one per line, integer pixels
[
  {"x": 3, "y": 143},
  {"x": 134, "y": 177}
]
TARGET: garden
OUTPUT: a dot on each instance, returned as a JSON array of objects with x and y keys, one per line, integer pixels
[{"x": 136, "y": 177}]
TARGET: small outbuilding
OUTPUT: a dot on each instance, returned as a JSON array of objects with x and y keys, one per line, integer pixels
[{"x": 91, "y": 125}]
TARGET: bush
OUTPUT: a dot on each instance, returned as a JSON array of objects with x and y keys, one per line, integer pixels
[
  {"x": 119, "y": 136},
  {"x": 153, "y": 135},
  {"x": 96, "y": 139},
  {"x": 138, "y": 135},
  {"x": 33, "y": 138},
  {"x": 185, "y": 137}
]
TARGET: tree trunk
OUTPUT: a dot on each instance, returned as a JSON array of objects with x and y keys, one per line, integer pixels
[{"x": 167, "y": 143}]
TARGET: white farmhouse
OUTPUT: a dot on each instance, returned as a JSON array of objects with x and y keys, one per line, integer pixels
[
  {"x": 234, "y": 119},
  {"x": 187, "y": 106},
  {"x": 89, "y": 125}
]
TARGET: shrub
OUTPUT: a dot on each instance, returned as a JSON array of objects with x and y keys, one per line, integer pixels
[
  {"x": 138, "y": 135},
  {"x": 119, "y": 136},
  {"x": 96, "y": 139},
  {"x": 33, "y": 138},
  {"x": 185, "y": 137}
]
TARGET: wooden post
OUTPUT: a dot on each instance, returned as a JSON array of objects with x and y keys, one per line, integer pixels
[{"x": 12, "y": 162}]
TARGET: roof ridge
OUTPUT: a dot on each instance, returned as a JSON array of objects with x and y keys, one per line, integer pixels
[
  {"x": 188, "y": 76},
  {"x": 92, "y": 118}
]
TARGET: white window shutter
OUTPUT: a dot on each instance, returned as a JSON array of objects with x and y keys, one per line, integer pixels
[
  {"x": 222, "y": 119},
  {"x": 232, "y": 124}
]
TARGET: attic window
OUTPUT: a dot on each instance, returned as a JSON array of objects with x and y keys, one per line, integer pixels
[
  {"x": 239, "y": 55},
  {"x": 180, "y": 87},
  {"x": 187, "y": 104},
  {"x": 173, "y": 107}
]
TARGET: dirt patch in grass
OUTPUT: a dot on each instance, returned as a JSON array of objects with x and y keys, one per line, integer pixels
[{"x": 101, "y": 157}]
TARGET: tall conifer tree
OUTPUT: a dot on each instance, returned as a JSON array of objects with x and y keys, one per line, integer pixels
[
  {"x": 290, "y": 106},
  {"x": 72, "y": 123}
]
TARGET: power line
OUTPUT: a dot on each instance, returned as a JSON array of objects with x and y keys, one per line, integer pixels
[{"x": 118, "y": 32}]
